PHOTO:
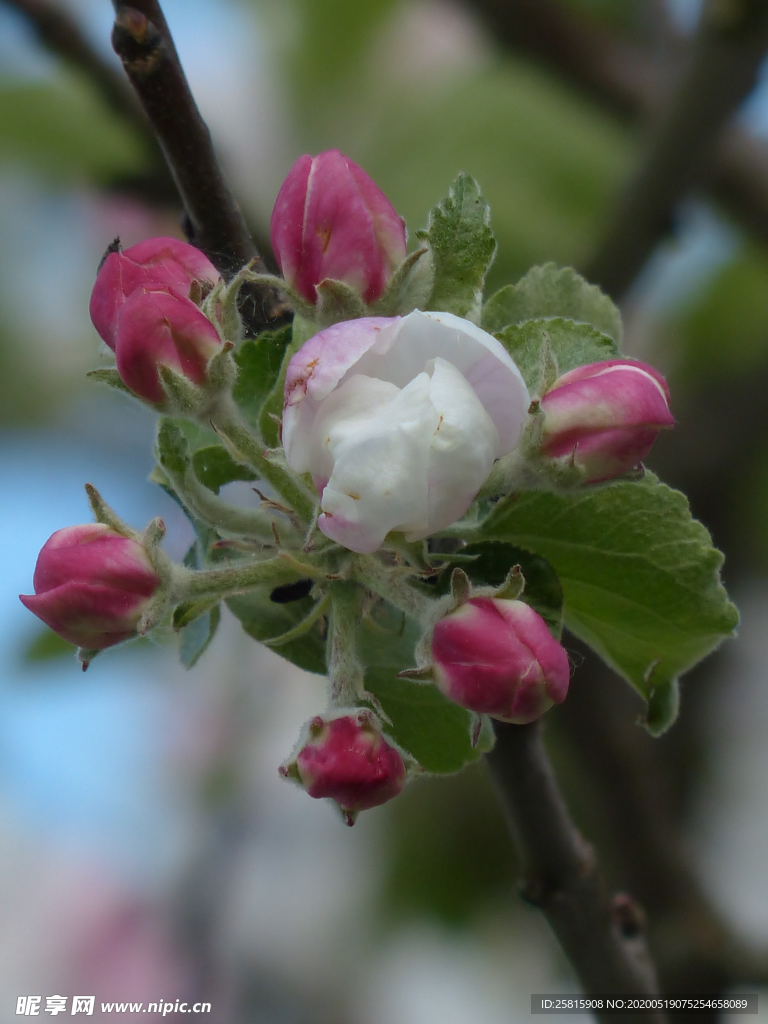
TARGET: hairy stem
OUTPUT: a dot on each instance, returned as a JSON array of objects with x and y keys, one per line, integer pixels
[
  {"x": 345, "y": 670},
  {"x": 602, "y": 937},
  {"x": 247, "y": 448},
  {"x": 238, "y": 578},
  {"x": 393, "y": 586}
]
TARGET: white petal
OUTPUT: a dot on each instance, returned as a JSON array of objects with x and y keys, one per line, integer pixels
[
  {"x": 380, "y": 461},
  {"x": 344, "y": 416},
  {"x": 403, "y": 348},
  {"x": 462, "y": 449},
  {"x": 315, "y": 371}
]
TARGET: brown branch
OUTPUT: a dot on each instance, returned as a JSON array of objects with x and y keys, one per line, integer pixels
[
  {"x": 630, "y": 786},
  {"x": 629, "y": 82},
  {"x": 601, "y": 936},
  {"x": 722, "y": 70},
  {"x": 214, "y": 221}
]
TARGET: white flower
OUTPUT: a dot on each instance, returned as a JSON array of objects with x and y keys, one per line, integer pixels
[{"x": 399, "y": 422}]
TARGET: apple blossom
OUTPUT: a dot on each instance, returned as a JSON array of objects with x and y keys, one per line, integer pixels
[
  {"x": 159, "y": 329},
  {"x": 605, "y": 416},
  {"x": 92, "y": 585},
  {"x": 399, "y": 421},
  {"x": 346, "y": 758},
  {"x": 156, "y": 264},
  {"x": 497, "y": 657},
  {"x": 331, "y": 221}
]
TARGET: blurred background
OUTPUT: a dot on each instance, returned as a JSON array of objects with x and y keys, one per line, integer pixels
[{"x": 148, "y": 849}]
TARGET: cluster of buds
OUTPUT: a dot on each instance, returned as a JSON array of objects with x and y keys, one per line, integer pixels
[
  {"x": 397, "y": 419},
  {"x": 145, "y": 306}
]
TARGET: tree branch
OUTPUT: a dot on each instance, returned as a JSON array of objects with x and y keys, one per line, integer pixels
[
  {"x": 630, "y": 83},
  {"x": 722, "y": 70},
  {"x": 602, "y": 937},
  {"x": 214, "y": 222},
  {"x": 630, "y": 783}
]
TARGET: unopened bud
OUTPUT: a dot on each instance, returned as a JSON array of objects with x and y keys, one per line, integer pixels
[
  {"x": 346, "y": 757},
  {"x": 158, "y": 329},
  {"x": 498, "y": 658},
  {"x": 605, "y": 417},
  {"x": 92, "y": 585},
  {"x": 156, "y": 264},
  {"x": 331, "y": 221}
]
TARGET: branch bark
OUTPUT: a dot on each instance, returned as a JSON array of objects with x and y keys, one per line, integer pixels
[
  {"x": 630, "y": 83},
  {"x": 214, "y": 222},
  {"x": 601, "y": 936}
]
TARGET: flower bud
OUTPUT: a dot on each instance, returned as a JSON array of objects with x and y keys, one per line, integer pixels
[
  {"x": 605, "y": 416},
  {"x": 156, "y": 264},
  {"x": 346, "y": 758},
  {"x": 497, "y": 657},
  {"x": 92, "y": 585},
  {"x": 158, "y": 329},
  {"x": 331, "y": 221}
]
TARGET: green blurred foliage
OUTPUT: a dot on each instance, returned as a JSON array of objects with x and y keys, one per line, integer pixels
[
  {"x": 546, "y": 160},
  {"x": 64, "y": 131},
  {"x": 450, "y": 856},
  {"x": 725, "y": 330},
  {"x": 45, "y": 645}
]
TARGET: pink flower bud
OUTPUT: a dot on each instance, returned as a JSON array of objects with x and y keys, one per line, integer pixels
[
  {"x": 498, "y": 658},
  {"x": 331, "y": 221},
  {"x": 347, "y": 759},
  {"x": 158, "y": 329},
  {"x": 156, "y": 264},
  {"x": 605, "y": 416},
  {"x": 92, "y": 585}
]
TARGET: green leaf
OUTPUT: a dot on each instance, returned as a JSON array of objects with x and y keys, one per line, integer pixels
[
  {"x": 199, "y": 554},
  {"x": 65, "y": 131},
  {"x": 271, "y": 413},
  {"x": 494, "y": 560},
  {"x": 214, "y": 467},
  {"x": 264, "y": 619},
  {"x": 462, "y": 248},
  {"x": 573, "y": 344},
  {"x": 549, "y": 291},
  {"x": 640, "y": 578},
  {"x": 196, "y": 636},
  {"x": 172, "y": 446},
  {"x": 197, "y": 436},
  {"x": 109, "y": 375},
  {"x": 424, "y": 722},
  {"x": 46, "y": 645},
  {"x": 337, "y": 301},
  {"x": 258, "y": 361}
]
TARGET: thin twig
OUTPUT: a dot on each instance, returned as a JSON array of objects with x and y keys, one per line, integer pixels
[
  {"x": 724, "y": 62},
  {"x": 214, "y": 221},
  {"x": 631, "y": 83},
  {"x": 602, "y": 937}
]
